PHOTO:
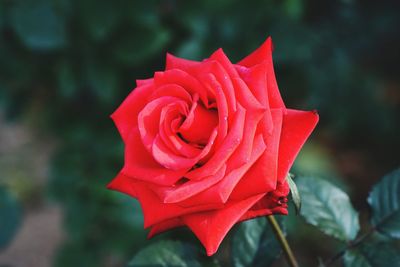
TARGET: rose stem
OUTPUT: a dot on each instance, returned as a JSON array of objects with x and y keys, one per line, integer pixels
[{"x": 282, "y": 239}]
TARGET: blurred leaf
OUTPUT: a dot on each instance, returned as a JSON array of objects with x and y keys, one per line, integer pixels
[
  {"x": 167, "y": 253},
  {"x": 140, "y": 44},
  {"x": 99, "y": 18},
  {"x": 10, "y": 216},
  {"x": 38, "y": 24},
  {"x": 103, "y": 80},
  {"x": 246, "y": 241},
  {"x": 294, "y": 8},
  {"x": 1, "y": 14},
  {"x": 254, "y": 244},
  {"x": 190, "y": 49},
  {"x": 385, "y": 204},
  {"x": 328, "y": 208},
  {"x": 294, "y": 193},
  {"x": 66, "y": 78},
  {"x": 372, "y": 254}
]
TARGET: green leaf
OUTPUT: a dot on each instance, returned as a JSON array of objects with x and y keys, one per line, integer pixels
[
  {"x": 10, "y": 216},
  {"x": 385, "y": 204},
  {"x": 38, "y": 24},
  {"x": 295, "y": 193},
  {"x": 254, "y": 244},
  {"x": 328, "y": 208},
  {"x": 372, "y": 254},
  {"x": 354, "y": 258},
  {"x": 167, "y": 253}
]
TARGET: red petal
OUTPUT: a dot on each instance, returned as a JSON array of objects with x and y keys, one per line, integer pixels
[
  {"x": 243, "y": 94},
  {"x": 199, "y": 124},
  {"x": 213, "y": 85},
  {"x": 170, "y": 121},
  {"x": 212, "y": 226},
  {"x": 171, "y": 90},
  {"x": 122, "y": 184},
  {"x": 222, "y": 59},
  {"x": 245, "y": 97},
  {"x": 229, "y": 145},
  {"x": 167, "y": 158},
  {"x": 149, "y": 118},
  {"x": 181, "y": 192},
  {"x": 143, "y": 82},
  {"x": 154, "y": 210},
  {"x": 140, "y": 165},
  {"x": 173, "y": 62},
  {"x": 262, "y": 176},
  {"x": 255, "y": 78},
  {"x": 264, "y": 54},
  {"x": 274, "y": 202},
  {"x": 125, "y": 117},
  {"x": 183, "y": 79},
  {"x": 164, "y": 226},
  {"x": 296, "y": 127},
  {"x": 220, "y": 192},
  {"x": 259, "y": 55},
  {"x": 222, "y": 78}
]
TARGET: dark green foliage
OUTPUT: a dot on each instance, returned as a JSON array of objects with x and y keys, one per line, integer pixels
[
  {"x": 39, "y": 25},
  {"x": 254, "y": 244},
  {"x": 167, "y": 253},
  {"x": 385, "y": 204},
  {"x": 10, "y": 216},
  {"x": 328, "y": 208},
  {"x": 372, "y": 254}
]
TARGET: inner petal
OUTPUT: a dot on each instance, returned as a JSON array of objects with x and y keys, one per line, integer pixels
[{"x": 199, "y": 124}]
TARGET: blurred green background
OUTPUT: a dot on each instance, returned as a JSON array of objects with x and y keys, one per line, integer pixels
[{"x": 66, "y": 65}]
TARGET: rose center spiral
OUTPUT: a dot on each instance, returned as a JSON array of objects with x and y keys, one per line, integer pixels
[{"x": 199, "y": 124}]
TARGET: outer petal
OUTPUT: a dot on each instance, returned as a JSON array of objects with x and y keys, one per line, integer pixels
[
  {"x": 125, "y": 117},
  {"x": 222, "y": 59},
  {"x": 264, "y": 54},
  {"x": 164, "y": 226},
  {"x": 122, "y": 184},
  {"x": 142, "y": 82},
  {"x": 255, "y": 78},
  {"x": 173, "y": 62},
  {"x": 243, "y": 94},
  {"x": 262, "y": 176},
  {"x": 212, "y": 226},
  {"x": 259, "y": 55},
  {"x": 154, "y": 211},
  {"x": 297, "y": 126}
]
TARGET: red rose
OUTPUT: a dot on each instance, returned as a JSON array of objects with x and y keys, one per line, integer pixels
[{"x": 208, "y": 144}]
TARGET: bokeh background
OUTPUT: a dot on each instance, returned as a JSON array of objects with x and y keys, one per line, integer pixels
[{"x": 66, "y": 65}]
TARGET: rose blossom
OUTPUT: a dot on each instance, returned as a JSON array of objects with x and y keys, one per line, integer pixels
[{"x": 209, "y": 144}]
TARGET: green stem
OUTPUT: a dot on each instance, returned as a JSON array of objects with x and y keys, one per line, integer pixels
[{"x": 282, "y": 239}]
